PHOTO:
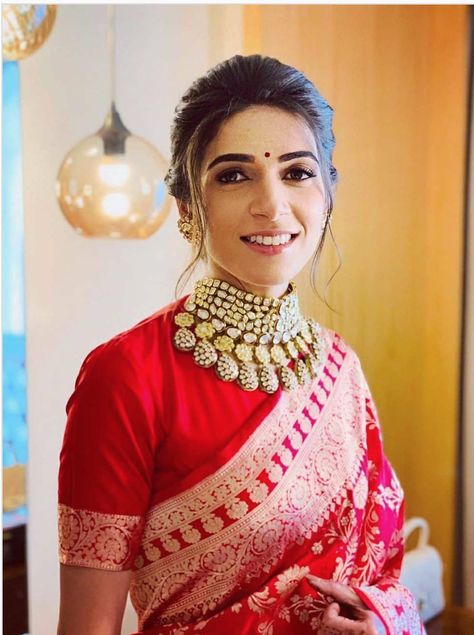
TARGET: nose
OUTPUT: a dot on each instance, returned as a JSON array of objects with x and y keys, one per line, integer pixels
[{"x": 269, "y": 199}]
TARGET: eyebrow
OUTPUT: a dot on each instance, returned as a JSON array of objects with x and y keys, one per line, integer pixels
[{"x": 248, "y": 158}]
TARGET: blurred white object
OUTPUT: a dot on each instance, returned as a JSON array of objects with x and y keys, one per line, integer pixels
[
  {"x": 130, "y": 619},
  {"x": 422, "y": 571}
]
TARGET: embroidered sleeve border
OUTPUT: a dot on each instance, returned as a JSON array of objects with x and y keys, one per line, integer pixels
[
  {"x": 395, "y": 606},
  {"x": 98, "y": 540}
]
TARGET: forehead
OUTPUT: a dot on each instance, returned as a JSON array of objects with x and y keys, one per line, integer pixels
[{"x": 260, "y": 129}]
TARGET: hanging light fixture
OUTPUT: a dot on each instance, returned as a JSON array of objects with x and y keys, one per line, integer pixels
[
  {"x": 111, "y": 184},
  {"x": 25, "y": 28}
]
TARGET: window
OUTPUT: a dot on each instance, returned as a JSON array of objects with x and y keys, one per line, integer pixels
[{"x": 15, "y": 447}]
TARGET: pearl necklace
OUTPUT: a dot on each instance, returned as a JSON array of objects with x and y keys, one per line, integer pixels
[{"x": 261, "y": 342}]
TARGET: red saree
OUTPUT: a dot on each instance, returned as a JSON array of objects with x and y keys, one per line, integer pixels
[{"x": 223, "y": 501}]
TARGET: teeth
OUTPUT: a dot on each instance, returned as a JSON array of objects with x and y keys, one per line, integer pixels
[{"x": 280, "y": 239}]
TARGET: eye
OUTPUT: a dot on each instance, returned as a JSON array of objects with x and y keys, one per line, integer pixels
[
  {"x": 299, "y": 174},
  {"x": 231, "y": 176}
]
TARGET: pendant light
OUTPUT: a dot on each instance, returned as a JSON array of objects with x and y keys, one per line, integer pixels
[
  {"x": 111, "y": 184},
  {"x": 26, "y": 27}
]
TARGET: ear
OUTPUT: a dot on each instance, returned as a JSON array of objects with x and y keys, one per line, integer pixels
[{"x": 183, "y": 208}]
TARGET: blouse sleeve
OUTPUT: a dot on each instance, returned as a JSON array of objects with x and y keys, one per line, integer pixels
[
  {"x": 383, "y": 536},
  {"x": 106, "y": 462}
]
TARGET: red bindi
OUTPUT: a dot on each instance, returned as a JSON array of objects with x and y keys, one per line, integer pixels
[{"x": 267, "y": 154}]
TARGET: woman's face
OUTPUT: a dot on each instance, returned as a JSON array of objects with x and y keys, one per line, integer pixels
[{"x": 264, "y": 207}]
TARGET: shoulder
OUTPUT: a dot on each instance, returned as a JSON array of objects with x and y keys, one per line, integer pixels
[
  {"x": 135, "y": 350},
  {"x": 336, "y": 344},
  {"x": 345, "y": 358}
]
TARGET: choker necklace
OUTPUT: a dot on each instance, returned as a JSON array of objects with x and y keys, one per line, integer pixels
[{"x": 260, "y": 342}]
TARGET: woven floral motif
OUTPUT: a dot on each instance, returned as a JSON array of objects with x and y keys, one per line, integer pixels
[{"x": 106, "y": 541}]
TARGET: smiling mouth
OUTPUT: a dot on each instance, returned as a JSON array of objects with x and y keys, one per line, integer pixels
[{"x": 266, "y": 240}]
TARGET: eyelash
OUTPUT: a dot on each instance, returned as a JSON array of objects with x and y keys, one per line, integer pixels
[{"x": 221, "y": 177}]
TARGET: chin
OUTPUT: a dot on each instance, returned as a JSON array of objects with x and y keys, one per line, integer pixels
[
  {"x": 241, "y": 271},
  {"x": 272, "y": 279}
]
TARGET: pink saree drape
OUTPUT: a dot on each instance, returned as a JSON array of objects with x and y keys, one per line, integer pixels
[{"x": 309, "y": 491}]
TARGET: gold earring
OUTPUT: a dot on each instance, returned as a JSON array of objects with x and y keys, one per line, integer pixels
[{"x": 189, "y": 229}]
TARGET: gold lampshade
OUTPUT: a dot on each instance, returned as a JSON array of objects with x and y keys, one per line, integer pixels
[
  {"x": 25, "y": 28},
  {"x": 111, "y": 184}
]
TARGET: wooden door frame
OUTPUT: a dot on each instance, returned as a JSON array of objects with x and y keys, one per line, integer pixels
[{"x": 464, "y": 547}]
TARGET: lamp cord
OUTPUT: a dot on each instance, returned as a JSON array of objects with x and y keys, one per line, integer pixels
[{"x": 111, "y": 48}]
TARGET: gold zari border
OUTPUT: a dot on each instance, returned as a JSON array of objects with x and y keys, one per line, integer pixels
[{"x": 97, "y": 540}]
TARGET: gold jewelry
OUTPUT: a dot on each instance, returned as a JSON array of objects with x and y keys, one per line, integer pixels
[
  {"x": 188, "y": 228},
  {"x": 260, "y": 342}
]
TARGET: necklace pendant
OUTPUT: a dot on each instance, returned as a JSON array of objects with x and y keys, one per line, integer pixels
[
  {"x": 205, "y": 354},
  {"x": 204, "y": 330},
  {"x": 301, "y": 345},
  {"x": 314, "y": 328},
  {"x": 184, "y": 339},
  {"x": 302, "y": 372},
  {"x": 312, "y": 364},
  {"x": 306, "y": 333},
  {"x": 248, "y": 378},
  {"x": 262, "y": 354},
  {"x": 292, "y": 350},
  {"x": 288, "y": 378},
  {"x": 184, "y": 319},
  {"x": 227, "y": 368},
  {"x": 268, "y": 379},
  {"x": 244, "y": 352}
]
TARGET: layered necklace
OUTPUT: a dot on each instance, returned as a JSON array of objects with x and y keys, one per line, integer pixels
[{"x": 259, "y": 342}]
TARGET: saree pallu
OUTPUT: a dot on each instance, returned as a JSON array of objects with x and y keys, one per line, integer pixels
[
  {"x": 302, "y": 487},
  {"x": 309, "y": 491}
]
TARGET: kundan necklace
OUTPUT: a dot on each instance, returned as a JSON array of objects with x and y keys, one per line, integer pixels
[{"x": 260, "y": 342}]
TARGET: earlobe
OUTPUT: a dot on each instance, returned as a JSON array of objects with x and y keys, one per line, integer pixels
[
  {"x": 187, "y": 225},
  {"x": 183, "y": 208}
]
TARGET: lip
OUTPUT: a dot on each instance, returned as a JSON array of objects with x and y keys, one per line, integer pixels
[
  {"x": 269, "y": 250},
  {"x": 269, "y": 232}
]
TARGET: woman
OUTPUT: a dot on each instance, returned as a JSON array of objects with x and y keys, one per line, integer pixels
[{"x": 223, "y": 458}]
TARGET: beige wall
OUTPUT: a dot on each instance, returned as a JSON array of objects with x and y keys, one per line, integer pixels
[
  {"x": 80, "y": 292},
  {"x": 396, "y": 77}
]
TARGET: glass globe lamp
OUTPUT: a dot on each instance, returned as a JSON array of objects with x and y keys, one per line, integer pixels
[
  {"x": 25, "y": 28},
  {"x": 111, "y": 184}
]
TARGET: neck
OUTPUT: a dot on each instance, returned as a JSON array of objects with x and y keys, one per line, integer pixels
[{"x": 267, "y": 291}]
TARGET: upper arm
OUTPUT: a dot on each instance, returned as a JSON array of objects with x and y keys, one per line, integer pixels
[
  {"x": 92, "y": 600},
  {"x": 105, "y": 475}
]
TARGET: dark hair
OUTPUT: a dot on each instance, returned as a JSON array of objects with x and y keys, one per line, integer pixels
[{"x": 229, "y": 88}]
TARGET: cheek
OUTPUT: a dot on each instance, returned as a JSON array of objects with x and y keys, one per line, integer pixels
[
  {"x": 312, "y": 211},
  {"x": 220, "y": 229},
  {"x": 218, "y": 223},
  {"x": 222, "y": 215}
]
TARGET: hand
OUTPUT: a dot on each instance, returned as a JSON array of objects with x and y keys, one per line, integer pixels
[{"x": 348, "y": 615}]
